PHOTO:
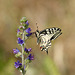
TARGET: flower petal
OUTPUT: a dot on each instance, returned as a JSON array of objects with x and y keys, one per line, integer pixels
[
  {"x": 20, "y": 41},
  {"x": 28, "y": 30},
  {"x": 17, "y": 64},
  {"x": 30, "y": 57}
]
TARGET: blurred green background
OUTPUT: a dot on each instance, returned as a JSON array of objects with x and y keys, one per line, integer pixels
[{"x": 47, "y": 13}]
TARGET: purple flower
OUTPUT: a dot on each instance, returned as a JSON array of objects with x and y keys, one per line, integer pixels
[
  {"x": 30, "y": 57},
  {"x": 28, "y": 34},
  {"x": 18, "y": 30},
  {"x": 15, "y": 51},
  {"x": 27, "y": 23},
  {"x": 28, "y": 30},
  {"x": 27, "y": 50},
  {"x": 20, "y": 41},
  {"x": 18, "y": 64}
]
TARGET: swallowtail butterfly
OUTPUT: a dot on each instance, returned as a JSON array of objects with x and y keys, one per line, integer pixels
[{"x": 46, "y": 36}]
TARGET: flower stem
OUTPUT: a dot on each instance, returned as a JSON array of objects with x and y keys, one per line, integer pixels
[{"x": 23, "y": 64}]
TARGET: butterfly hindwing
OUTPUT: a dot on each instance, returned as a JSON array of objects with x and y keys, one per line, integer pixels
[{"x": 45, "y": 43}]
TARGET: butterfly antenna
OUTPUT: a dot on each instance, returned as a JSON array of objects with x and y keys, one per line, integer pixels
[
  {"x": 37, "y": 29},
  {"x": 37, "y": 26}
]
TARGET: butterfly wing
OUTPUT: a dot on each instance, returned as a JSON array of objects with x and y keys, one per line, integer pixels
[
  {"x": 53, "y": 33},
  {"x": 47, "y": 35}
]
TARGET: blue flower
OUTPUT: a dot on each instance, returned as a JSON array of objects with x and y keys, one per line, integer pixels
[
  {"x": 18, "y": 64},
  {"x": 15, "y": 51},
  {"x": 26, "y": 23},
  {"x": 30, "y": 57},
  {"x": 27, "y": 50},
  {"x": 20, "y": 41}
]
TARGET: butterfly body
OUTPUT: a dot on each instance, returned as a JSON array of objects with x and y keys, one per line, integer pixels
[{"x": 45, "y": 37}]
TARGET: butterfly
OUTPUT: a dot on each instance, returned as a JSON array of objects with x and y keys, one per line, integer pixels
[{"x": 46, "y": 36}]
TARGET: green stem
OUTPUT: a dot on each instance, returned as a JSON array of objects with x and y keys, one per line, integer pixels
[{"x": 23, "y": 63}]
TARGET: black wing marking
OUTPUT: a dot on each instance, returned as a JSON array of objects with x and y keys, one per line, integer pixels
[
  {"x": 54, "y": 32},
  {"x": 55, "y": 35},
  {"x": 47, "y": 46}
]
